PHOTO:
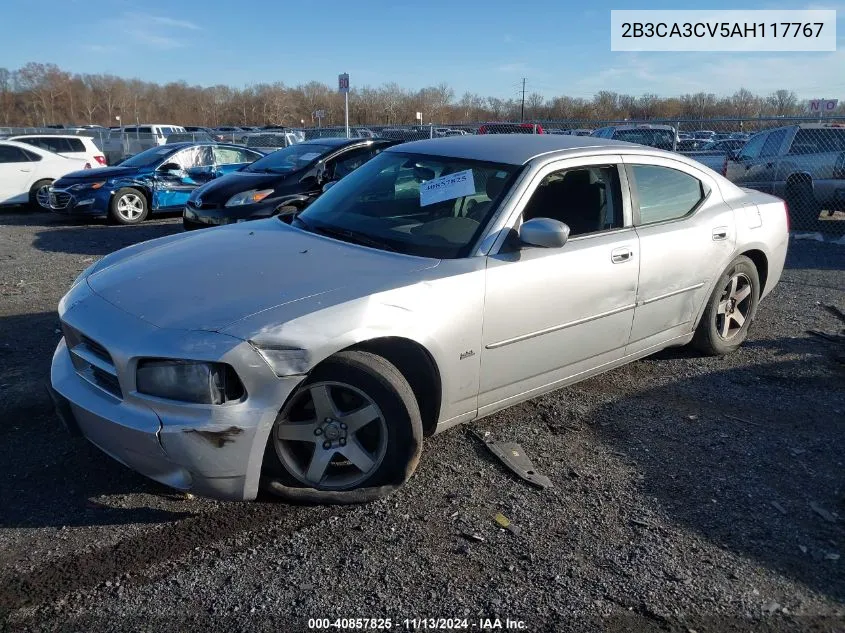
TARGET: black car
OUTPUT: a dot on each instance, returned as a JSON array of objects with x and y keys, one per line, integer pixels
[{"x": 283, "y": 181}]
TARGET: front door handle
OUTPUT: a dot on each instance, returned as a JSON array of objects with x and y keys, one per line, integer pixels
[
  {"x": 720, "y": 233},
  {"x": 621, "y": 255}
]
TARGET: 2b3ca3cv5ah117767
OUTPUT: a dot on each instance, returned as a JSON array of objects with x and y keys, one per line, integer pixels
[{"x": 440, "y": 282}]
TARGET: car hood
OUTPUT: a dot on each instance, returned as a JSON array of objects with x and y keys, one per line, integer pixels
[
  {"x": 221, "y": 189},
  {"x": 207, "y": 280},
  {"x": 98, "y": 174}
]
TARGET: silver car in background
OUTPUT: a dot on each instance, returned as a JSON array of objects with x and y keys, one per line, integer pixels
[{"x": 444, "y": 280}]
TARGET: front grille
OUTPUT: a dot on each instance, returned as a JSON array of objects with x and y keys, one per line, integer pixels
[
  {"x": 92, "y": 361},
  {"x": 97, "y": 349},
  {"x": 59, "y": 199}
]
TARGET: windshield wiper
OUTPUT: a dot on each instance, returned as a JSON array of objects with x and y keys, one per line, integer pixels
[{"x": 347, "y": 235}]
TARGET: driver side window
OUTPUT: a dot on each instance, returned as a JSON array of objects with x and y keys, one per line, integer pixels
[
  {"x": 191, "y": 157},
  {"x": 587, "y": 199}
]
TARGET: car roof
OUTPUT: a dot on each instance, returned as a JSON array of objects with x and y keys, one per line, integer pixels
[
  {"x": 50, "y": 136},
  {"x": 512, "y": 149}
]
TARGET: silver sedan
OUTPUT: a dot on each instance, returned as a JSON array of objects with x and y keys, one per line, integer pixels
[{"x": 443, "y": 281}]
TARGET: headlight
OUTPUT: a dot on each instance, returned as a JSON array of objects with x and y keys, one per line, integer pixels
[
  {"x": 188, "y": 381},
  {"x": 87, "y": 185},
  {"x": 284, "y": 361},
  {"x": 248, "y": 197}
]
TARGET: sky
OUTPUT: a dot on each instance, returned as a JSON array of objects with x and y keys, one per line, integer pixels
[{"x": 485, "y": 47}]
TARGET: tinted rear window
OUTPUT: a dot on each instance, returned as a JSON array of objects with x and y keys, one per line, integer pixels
[{"x": 818, "y": 141}]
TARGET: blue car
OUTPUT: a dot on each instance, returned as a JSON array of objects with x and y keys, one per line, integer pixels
[{"x": 158, "y": 179}]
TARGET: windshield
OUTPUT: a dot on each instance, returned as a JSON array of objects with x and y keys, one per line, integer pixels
[
  {"x": 415, "y": 204},
  {"x": 148, "y": 158},
  {"x": 290, "y": 158}
]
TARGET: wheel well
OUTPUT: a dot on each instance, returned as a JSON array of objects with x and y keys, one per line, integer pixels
[
  {"x": 795, "y": 179},
  {"x": 148, "y": 196},
  {"x": 419, "y": 369},
  {"x": 762, "y": 265}
]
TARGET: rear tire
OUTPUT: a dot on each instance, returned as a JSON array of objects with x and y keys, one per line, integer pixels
[
  {"x": 804, "y": 210},
  {"x": 350, "y": 433},
  {"x": 730, "y": 309},
  {"x": 39, "y": 196},
  {"x": 128, "y": 206}
]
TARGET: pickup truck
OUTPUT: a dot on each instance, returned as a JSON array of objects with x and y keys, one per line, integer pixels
[{"x": 803, "y": 164}]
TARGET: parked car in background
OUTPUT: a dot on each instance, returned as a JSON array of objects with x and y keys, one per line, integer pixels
[
  {"x": 190, "y": 137},
  {"x": 282, "y": 182},
  {"x": 580, "y": 132},
  {"x": 703, "y": 134},
  {"x": 130, "y": 140},
  {"x": 803, "y": 164},
  {"x": 658, "y": 136},
  {"x": 27, "y": 171},
  {"x": 511, "y": 128},
  {"x": 67, "y": 145},
  {"x": 315, "y": 358},
  {"x": 268, "y": 141},
  {"x": 157, "y": 179},
  {"x": 229, "y": 134},
  {"x": 193, "y": 129},
  {"x": 727, "y": 145},
  {"x": 740, "y": 135},
  {"x": 690, "y": 144}
]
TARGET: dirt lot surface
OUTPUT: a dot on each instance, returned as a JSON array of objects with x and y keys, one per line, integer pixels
[{"x": 690, "y": 494}]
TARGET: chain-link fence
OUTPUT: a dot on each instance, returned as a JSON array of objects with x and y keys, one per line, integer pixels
[{"x": 801, "y": 160}]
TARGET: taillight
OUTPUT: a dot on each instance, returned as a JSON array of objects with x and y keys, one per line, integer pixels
[
  {"x": 786, "y": 211},
  {"x": 839, "y": 166},
  {"x": 100, "y": 159},
  {"x": 725, "y": 166},
  {"x": 87, "y": 166}
]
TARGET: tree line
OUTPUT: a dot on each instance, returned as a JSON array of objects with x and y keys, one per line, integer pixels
[{"x": 43, "y": 94}]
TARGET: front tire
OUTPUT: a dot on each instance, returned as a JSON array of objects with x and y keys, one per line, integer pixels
[
  {"x": 350, "y": 433},
  {"x": 730, "y": 309},
  {"x": 39, "y": 194},
  {"x": 128, "y": 206}
]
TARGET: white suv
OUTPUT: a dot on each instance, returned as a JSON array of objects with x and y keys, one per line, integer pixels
[{"x": 67, "y": 145}]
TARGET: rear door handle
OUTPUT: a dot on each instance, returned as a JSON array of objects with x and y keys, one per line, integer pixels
[
  {"x": 621, "y": 255},
  {"x": 720, "y": 233}
]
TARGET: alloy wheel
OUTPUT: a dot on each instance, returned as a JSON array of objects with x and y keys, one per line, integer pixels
[
  {"x": 734, "y": 306},
  {"x": 130, "y": 206},
  {"x": 331, "y": 435}
]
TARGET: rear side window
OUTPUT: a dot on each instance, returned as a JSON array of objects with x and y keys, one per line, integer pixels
[
  {"x": 75, "y": 145},
  {"x": 664, "y": 193},
  {"x": 773, "y": 143},
  {"x": 818, "y": 141},
  {"x": 51, "y": 144},
  {"x": 9, "y": 154},
  {"x": 145, "y": 130}
]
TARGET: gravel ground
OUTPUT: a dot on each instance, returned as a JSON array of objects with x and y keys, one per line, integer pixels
[{"x": 690, "y": 494}]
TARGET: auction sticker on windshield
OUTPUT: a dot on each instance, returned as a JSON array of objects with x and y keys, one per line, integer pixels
[
  {"x": 447, "y": 188},
  {"x": 309, "y": 156}
]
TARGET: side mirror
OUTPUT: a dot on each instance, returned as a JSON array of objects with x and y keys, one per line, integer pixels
[
  {"x": 544, "y": 232},
  {"x": 170, "y": 167},
  {"x": 329, "y": 185}
]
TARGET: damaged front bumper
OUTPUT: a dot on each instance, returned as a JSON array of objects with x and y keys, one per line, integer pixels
[{"x": 212, "y": 450}]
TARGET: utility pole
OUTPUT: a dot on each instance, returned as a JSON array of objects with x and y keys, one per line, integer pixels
[{"x": 522, "y": 109}]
